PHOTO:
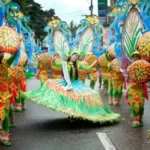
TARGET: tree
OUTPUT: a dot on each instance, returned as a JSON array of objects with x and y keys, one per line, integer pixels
[
  {"x": 73, "y": 28},
  {"x": 38, "y": 17},
  {"x": 23, "y": 5}
]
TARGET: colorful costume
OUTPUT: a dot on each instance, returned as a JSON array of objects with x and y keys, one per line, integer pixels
[
  {"x": 103, "y": 63},
  {"x": 69, "y": 95},
  {"x": 136, "y": 95},
  {"x": 117, "y": 85},
  {"x": 56, "y": 71},
  {"x": 117, "y": 81},
  {"x": 19, "y": 78},
  {"x": 42, "y": 75},
  {"x": 104, "y": 76},
  {"x": 20, "y": 81},
  {"x": 93, "y": 77},
  {"x": 93, "y": 74},
  {"x": 44, "y": 63},
  {"x": 5, "y": 97},
  {"x": 139, "y": 74},
  {"x": 83, "y": 73},
  {"x": 9, "y": 42},
  {"x": 23, "y": 60},
  {"x": 110, "y": 55},
  {"x": 72, "y": 97},
  {"x": 110, "y": 85},
  {"x": 14, "y": 94}
]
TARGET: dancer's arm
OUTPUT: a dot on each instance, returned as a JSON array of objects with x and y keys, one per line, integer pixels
[
  {"x": 85, "y": 68},
  {"x": 57, "y": 64}
]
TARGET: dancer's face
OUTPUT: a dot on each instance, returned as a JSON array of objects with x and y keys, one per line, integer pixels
[
  {"x": 81, "y": 58},
  {"x": 74, "y": 57},
  {"x": 111, "y": 58},
  {"x": 135, "y": 57},
  {"x": 56, "y": 55}
]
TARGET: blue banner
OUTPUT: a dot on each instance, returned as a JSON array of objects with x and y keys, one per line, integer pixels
[{"x": 102, "y": 12}]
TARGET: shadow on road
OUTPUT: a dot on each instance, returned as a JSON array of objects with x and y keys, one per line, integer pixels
[{"x": 67, "y": 124}]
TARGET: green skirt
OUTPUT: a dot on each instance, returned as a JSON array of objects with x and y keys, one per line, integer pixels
[{"x": 82, "y": 102}]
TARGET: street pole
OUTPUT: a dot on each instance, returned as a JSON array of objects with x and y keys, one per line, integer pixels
[{"x": 91, "y": 7}]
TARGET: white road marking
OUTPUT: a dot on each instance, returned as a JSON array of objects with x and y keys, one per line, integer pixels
[{"x": 106, "y": 141}]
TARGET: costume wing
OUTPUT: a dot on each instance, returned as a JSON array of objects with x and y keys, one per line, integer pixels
[
  {"x": 61, "y": 44},
  {"x": 86, "y": 41},
  {"x": 131, "y": 33}
]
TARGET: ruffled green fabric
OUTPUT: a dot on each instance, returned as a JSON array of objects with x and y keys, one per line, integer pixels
[
  {"x": 29, "y": 75},
  {"x": 76, "y": 105}
]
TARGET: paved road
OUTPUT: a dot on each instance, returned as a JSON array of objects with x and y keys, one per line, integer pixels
[{"x": 39, "y": 128}]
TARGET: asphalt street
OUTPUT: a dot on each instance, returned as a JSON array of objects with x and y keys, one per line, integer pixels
[{"x": 39, "y": 128}]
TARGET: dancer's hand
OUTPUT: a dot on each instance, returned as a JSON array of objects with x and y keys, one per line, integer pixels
[
  {"x": 95, "y": 62},
  {"x": 68, "y": 88}
]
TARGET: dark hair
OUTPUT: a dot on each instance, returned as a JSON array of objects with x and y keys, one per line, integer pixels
[
  {"x": 75, "y": 67},
  {"x": 136, "y": 55},
  {"x": 55, "y": 54},
  {"x": 54, "y": 17},
  {"x": 45, "y": 48}
]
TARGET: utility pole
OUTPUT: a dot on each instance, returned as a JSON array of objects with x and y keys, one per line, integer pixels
[
  {"x": 52, "y": 13},
  {"x": 91, "y": 7}
]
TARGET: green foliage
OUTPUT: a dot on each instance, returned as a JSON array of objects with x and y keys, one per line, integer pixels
[
  {"x": 73, "y": 28},
  {"x": 38, "y": 17},
  {"x": 23, "y": 5}
]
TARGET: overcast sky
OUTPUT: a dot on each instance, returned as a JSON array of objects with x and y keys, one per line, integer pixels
[{"x": 69, "y": 10}]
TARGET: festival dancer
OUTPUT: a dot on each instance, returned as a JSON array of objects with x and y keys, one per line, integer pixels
[
  {"x": 5, "y": 96},
  {"x": 136, "y": 95},
  {"x": 56, "y": 71},
  {"x": 82, "y": 73},
  {"x": 117, "y": 81},
  {"x": 104, "y": 79},
  {"x": 20, "y": 81},
  {"x": 23, "y": 60},
  {"x": 14, "y": 95},
  {"x": 43, "y": 65},
  {"x": 93, "y": 75},
  {"x": 103, "y": 62},
  {"x": 23, "y": 64},
  {"x": 12, "y": 89},
  {"x": 71, "y": 96},
  {"x": 110, "y": 56}
]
